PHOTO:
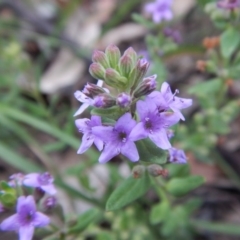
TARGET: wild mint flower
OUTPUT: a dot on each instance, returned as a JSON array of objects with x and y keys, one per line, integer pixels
[
  {"x": 123, "y": 100},
  {"x": 160, "y": 10},
  {"x": 153, "y": 124},
  {"x": 85, "y": 98},
  {"x": 44, "y": 181},
  {"x": 16, "y": 178},
  {"x": 85, "y": 126},
  {"x": 177, "y": 156},
  {"x": 170, "y": 100},
  {"x": 228, "y": 4},
  {"x": 26, "y": 219},
  {"x": 117, "y": 140}
]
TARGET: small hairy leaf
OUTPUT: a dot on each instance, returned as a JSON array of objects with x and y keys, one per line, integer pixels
[
  {"x": 181, "y": 186},
  {"x": 128, "y": 191}
]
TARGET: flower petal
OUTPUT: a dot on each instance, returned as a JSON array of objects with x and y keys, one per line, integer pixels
[
  {"x": 109, "y": 151},
  {"x": 103, "y": 133},
  {"x": 50, "y": 189},
  {"x": 96, "y": 121},
  {"x": 87, "y": 141},
  {"x": 31, "y": 180},
  {"x": 26, "y": 232},
  {"x": 125, "y": 122},
  {"x": 150, "y": 7},
  {"x": 81, "y": 97},
  {"x": 130, "y": 151},
  {"x": 40, "y": 220},
  {"x": 26, "y": 204},
  {"x": 98, "y": 143},
  {"x": 160, "y": 139},
  {"x": 138, "y": 132},
  {"x": 10, "y": 224},
  {"x": 83, "y": 107},
  {"x": 169, "y": 118},
  {"x": 81, "y": 124},
  {"x": 166, "y": 92},
  {"x": 181, "y": 103}
]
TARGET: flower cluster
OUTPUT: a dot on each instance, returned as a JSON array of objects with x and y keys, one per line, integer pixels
[
  {"x": 160, "y": 10},
  {"x": 27, "y": 217},
  {"x": 134, "y": 110}
]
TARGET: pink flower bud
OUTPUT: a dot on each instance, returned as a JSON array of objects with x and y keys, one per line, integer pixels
[
  {"x": 125, "y": 65},
  {"x": 123, "y": 100},
  {"x": 113, "y": 54},
  {"x": 97, "y": 71},
  {"x": 100, "y": 57}
]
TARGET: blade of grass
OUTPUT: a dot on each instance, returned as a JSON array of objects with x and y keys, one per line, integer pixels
[
  {"x": 40, "y": 124},
  {"x": 23, "y": 164}
]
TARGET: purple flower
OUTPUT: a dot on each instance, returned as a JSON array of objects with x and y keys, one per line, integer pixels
[
  {"x": 166, "y": 99},
  {"x": 228, "y": 4},
  {"x": 153, "y": 124},
  {"x": 44, "y": 181},
  {"x": 177, "y": 156},
  {"x": 160, "y": 10},
  {"x": 85, "y": 98},
  {"x": 173, "y": 34},
  {"x": 117, "y": 139},
  {"x": 85, "y": 126},
  {"x": 123, "y": 100},
  {"x": 16, "y": 178},
  {"x": 26, "y": 219}
]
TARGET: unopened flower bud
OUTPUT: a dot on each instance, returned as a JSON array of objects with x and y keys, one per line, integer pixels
[
  {"x": 123, "y": 100},
  {"x": 103, "y": 101},
  {"x": 97, "y": 71},
  {"x": 147, "y": 86},
  {"x": 92, "y": 90},
  {"x": 138, "y": 72},
  {"x": 100, "y": 57},
  {"x": 113, "y": 54},
  {"x": 125, "y": 65},
  {"x": 113, "y": 78},
  {"x": 138, "y": 171},
  {"x": 49, "y": 203},
  {"x": 155, "y": 170},
  {"x": 130, "y": 52},
  {"x": 177, "y": 156}
]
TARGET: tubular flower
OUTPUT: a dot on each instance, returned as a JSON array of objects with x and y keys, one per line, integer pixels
[
  {"x": 25, "y": 219},
  {"x": 160, "y": 10},
  {"x": 117, "y": 139},
  {"x": 85, "y": 126},
  {"x": 153, "y": 124},
  {"x": 44, "y": 181}
]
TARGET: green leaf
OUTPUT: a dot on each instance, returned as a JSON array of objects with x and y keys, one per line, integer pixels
[
  {"x": 204, "y": 89},
  {"x": 128, "y": 191},
  {"x": 159, "y": 212},
  {"x": 114, "y": 112},
  {"x": 178, "y": 170},
  {"x": 229, "y": 42},
  {"x": 84, "y": 220},
  {"x": 149, "y": 152},
  {"x": 181, "y": 186}
]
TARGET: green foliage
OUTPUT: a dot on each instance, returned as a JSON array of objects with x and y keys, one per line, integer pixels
[
  {"x": 129, "y": 190},
  {"x": 181, "y": 186},
  {"x": 229, "y": 42}
]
